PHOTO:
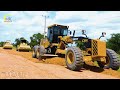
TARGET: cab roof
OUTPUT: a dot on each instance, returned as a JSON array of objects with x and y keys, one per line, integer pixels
[{"x": 57, "y": 25}]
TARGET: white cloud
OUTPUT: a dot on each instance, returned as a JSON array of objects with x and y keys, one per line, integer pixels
[
  {"x": 29, "y": 22},
  {"x": 35, "y": 13},
  {"x": 62, "y": 15},
  {"x": 92, "y": 17},
  {"x": 95, "y": 22}
]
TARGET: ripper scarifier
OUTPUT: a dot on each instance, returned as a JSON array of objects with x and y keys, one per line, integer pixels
[{"x": 56, "y": 43}]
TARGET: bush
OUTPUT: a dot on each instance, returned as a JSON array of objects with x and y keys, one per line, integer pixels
[{"x": 114, "y": 42}]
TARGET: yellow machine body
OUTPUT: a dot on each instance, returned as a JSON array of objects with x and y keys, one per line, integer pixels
[
  {"x": 97, "y": 51},
  {"x": 23, "y": 47},
  {"x": 7, "y": 45}
]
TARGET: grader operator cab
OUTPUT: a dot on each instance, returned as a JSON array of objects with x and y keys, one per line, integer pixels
[
  {"x": 56, "y": 30},
  {"x": 57, "y": 41}
]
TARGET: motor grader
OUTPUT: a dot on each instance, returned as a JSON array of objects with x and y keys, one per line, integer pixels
[
  {"x": 58, "y": 42},
  {"x": 23, "y": 46},
  {"x": 7, "y": 45}
]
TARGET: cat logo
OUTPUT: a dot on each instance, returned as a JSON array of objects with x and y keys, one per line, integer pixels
[
  {"x": 7, "y": 18},
  {"x": 84, "y": 40}
]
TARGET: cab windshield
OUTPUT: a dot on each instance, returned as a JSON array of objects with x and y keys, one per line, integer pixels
[
  {"x": 60, "y": 31},
  {"x": 65, "y": 32}
]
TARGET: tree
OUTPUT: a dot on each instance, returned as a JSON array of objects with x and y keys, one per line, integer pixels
[
  {"x": 18, "y": 40},
  {"x": 35, "y": 39},
  {"x": 114, "y": 42},
  {"x": 1, "y": 44},
  {"x": 80, "y": 45}
]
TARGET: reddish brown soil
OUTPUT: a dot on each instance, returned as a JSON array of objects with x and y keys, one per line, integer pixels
[{"x": 15, "y": 64}]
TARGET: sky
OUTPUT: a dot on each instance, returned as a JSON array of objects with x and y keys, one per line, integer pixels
[{"x": 27, "y": 23}]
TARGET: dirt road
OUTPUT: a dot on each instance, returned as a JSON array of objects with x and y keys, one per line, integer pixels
[{"x": 18, "y": 67}]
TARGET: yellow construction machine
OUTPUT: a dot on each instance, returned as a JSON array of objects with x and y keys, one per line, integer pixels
[
  {"x": 58, "y": 42},
  {"x": 7, "y": 45},
  {"x": 23, "y": 46}
]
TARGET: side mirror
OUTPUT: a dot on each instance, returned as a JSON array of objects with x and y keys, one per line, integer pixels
[
  {"x": 103, "y": 34},
  {"x": 73, "y": 32},
  {"x": 70, "y": 32},
  {"x": 83, "y": 32}
]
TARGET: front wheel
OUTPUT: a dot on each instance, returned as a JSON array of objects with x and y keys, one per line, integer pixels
[
  {"x": 74, "y": 58},
  {"x": 40, "y": 52},
  {"x": 112, "y": 60},
  {"x": 34, "y": 51},
  {"x": 33, "y": 54}
]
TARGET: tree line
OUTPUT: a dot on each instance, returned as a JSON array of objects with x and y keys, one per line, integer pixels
[
  {"x": 112, "y": 43},
  {"x": 34, "y": 40}
]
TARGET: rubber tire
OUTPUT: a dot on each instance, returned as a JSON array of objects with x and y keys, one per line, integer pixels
[
  {"x": 35, "y": 48},
  {"x": 41, "y": 51},
  {"x": 114, "y": 60},
  {"x": 78, "y": 59},
  {"x": 33, "y": 55}
]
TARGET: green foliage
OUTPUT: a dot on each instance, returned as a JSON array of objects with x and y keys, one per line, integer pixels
[
  {"x": 80, "y": 45},
  {"x": 35, "y": 39},
  {"x": 1, "y": 44},
  {"x": 114, "y": 42}
]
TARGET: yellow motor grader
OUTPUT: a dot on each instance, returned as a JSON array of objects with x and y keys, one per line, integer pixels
[
  {"x": 58, "y": 43},
  {"x": 7, "y": 45},
  {"x": 23, "y": 46}
]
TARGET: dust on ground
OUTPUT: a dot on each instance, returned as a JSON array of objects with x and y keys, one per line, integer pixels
[{"x": 60, "y": 61}]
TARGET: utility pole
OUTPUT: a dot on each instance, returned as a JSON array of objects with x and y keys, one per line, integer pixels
[{"x": 45, "y": 24}]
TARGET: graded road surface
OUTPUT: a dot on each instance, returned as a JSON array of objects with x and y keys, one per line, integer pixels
[{"x": 18, "y": 67}]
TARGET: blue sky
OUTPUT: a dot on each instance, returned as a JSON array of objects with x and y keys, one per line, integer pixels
[{"x": 27, "y": 23}]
